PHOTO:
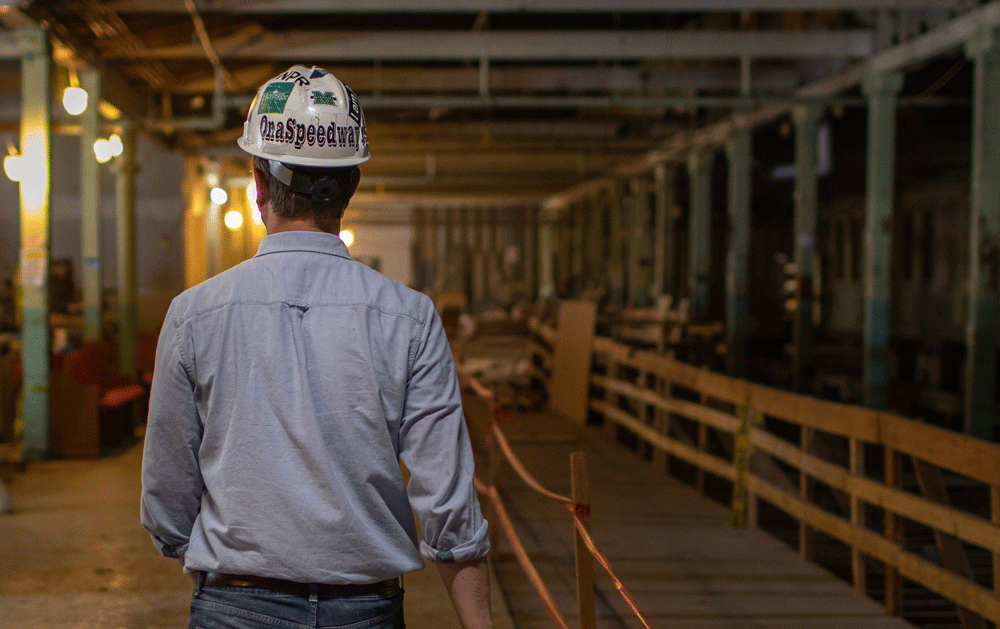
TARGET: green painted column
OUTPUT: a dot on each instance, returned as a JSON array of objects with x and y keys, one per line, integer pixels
[
  {"x": 546, "y": 280},
  {"x": 90, "y": 209},
  {"x": 663, "y": 230},
  {"x": 640, "y": 244},
  {"x": 616, "y": 258},
  {"x": 984, "y": 238},
  {"x": 881, "y": 91},
  {"x": 739, "y": 150},
  {"x": 806, "y": 198},
  {"x": 36, "y": 229},
  {"x": 699, "y": 232},
  {"x": 125, "y": 231},
  {"x": 593, "y": 243}
]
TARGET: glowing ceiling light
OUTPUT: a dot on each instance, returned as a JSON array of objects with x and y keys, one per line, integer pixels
[
  {"x": 218, "y": 196},
  {"x": 233, "y": 219},
  {"x": 13, "y": 165},
  {"x": 74, "y": 100},
  {"x": 115, "y": 144},
  {"x": 102, "y": 151},
  {"x": 347, "y": 236}
]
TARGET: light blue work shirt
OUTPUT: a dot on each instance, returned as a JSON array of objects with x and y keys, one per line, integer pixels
[{"x": 286, "y": 391}]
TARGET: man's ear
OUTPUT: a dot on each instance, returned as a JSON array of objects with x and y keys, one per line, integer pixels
[{"x": 260, "y": 182}]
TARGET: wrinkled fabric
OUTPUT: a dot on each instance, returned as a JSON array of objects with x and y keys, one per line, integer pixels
[{"x": 285, "y": 392}]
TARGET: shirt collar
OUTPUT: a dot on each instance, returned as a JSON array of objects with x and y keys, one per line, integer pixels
[{"x": 316, "y": 242}]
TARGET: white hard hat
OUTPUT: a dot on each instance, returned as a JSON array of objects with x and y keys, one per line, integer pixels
[{"x": 306, "y": 117}]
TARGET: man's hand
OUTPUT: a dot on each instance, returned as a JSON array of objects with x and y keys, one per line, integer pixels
[{"x": 468, "y": 585}]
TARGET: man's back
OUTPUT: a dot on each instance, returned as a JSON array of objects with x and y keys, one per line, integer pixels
[{"x": 311, "y": 374}]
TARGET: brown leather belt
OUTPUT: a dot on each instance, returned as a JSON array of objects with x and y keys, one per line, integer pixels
[{"x": 385, "y": 589}]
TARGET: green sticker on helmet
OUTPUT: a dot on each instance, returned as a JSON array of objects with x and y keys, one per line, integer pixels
[
  {"x": 273, "y": 100},
  {"x": 324, "y": 98}
]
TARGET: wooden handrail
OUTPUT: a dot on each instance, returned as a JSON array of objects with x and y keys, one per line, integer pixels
[{"x": 959, "y": 454}]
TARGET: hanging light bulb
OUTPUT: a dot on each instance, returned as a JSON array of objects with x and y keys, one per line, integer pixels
[
  {"x": 74, "y": 100},
  {"x": 218, "y": 196},
  {"x": 115, "y": 144},
  {"x": 233, "y": 219},
  {"x": 102, "y": 150},
  {"x": 13, "y": 166},
  {"x": 347, "y": 236}
]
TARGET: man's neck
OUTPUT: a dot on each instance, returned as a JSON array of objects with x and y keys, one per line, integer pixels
[{"x": 308, "y": 224}]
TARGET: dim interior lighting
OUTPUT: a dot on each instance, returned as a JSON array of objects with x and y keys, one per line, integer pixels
[
  {"x": 115, "y": 144},
  {"x": 108, "y": 111},
  {"x": 233, "y": 219},
  {"x": 102, "y": 151},
  {"x": 347, "y": 236},
  {"x": 74, "y": 100},
  {"x": 13, "y": 166},
  {"x": 218, "y": 196},
  {"x": 105, "y": 149}
]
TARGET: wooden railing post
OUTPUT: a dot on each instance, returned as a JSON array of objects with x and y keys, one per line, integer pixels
[
  {"x": 857, "y": 468},
  {"x": 702, "y": 447},
  {"x": 893, "y": 580},
  {"x": 741, "y": 461},
  {"x": 806, "y": 494},
  {"x": 580, "y": 487}
]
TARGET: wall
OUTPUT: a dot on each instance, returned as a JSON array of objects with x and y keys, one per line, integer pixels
[{"x": 158, "y": 226}]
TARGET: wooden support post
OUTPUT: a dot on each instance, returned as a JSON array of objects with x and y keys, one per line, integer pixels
[
  {"x": 806, "y": 494},
  {"x": 857, "y": 468},
  {"x": 580, "y": 487},
  {"x": 893, "y": 580},
  {"x": 640, "y": 244}
]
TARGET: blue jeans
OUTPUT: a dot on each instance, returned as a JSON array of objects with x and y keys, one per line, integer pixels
[{"x": 249, "y": 608}]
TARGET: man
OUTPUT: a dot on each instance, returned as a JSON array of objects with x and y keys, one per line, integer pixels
[{"x": 287, "y": 390}]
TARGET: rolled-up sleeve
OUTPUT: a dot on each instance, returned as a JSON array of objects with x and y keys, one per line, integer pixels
[
  {"x": 434, "y": 445},
  {"x": 172, "y": 484}
]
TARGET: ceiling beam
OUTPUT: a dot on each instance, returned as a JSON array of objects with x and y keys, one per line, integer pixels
[
  {"x": 937, "y": 41},
  {"x": 526, "y": 45},
  {"x": 519, "y": 79},
  {"x": 519, "y": 6}
]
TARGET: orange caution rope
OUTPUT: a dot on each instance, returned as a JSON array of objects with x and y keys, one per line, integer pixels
[{"x": 522, "y": 555}]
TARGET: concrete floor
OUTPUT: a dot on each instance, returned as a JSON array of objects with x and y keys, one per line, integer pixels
[{"x": 73, "y": 556}]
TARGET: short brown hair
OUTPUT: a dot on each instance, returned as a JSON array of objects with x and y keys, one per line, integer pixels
[{"x": 288, "y": 203}]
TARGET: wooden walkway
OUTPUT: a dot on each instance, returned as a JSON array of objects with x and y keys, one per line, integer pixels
[{"x": 672, "y": 548}]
